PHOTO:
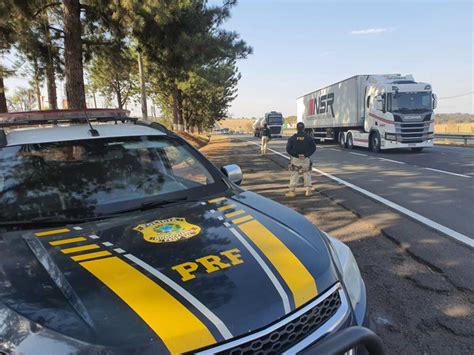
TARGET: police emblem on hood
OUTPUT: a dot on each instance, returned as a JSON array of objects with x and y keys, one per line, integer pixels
[{"x": 168, "y": 230}]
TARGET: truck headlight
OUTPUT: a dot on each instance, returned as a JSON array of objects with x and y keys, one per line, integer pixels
[
  {"x": 391, "y": 136},
  {"x": 349, "y": 270}
]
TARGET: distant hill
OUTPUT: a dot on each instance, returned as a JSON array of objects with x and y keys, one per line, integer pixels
[
  {"x": 237, "y": 124},
  {"x": 454, "y": 118}
]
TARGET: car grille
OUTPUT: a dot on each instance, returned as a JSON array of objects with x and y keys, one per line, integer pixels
[
  {"x": 275, "y": 130},
  {"x": 412, "y": 132},
  {"x": 289, "y": 333}
]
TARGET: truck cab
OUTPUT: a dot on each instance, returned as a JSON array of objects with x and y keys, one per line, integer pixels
[
  {"x": 399, "y": 114},
  {"x": 396, "y": 112},
  {"x": 274, "y": 121}
]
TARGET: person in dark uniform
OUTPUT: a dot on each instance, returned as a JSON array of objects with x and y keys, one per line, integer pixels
[
  {"x": 300, "y": 147},
  {"x": 266, "y": 136}
]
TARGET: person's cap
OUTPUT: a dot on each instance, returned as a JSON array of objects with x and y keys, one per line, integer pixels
[{"x": 300, "y": 126}]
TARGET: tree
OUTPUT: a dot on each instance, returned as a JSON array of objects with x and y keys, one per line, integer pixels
[
  {"x": 114, "y": 71},
  {"x": 179, "y": 36},
  {"x": 73, "y": 66},
  {"x": 22, "y": 100},
  {"x": 6, "y": 40}
]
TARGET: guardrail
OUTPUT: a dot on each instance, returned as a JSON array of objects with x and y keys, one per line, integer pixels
[{"x": 455, "y": 137}]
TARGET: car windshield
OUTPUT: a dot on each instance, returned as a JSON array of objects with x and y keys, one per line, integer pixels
[
  {"x": 411, "y": 102},
  {"x": 275, "y": 120},
  {"x": 95, "y": 177}
]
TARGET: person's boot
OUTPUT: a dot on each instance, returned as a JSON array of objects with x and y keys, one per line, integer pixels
[
  {"x": 308, "y": 192},
  {"x": 290, "y": 193}
]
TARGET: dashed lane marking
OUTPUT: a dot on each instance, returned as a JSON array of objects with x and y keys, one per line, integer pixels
[
  {"x": 426, "y": 221},
  {"x": 392, "y": 161},
  {"x": 448, "y": 172},
  {"x": 362, "y": 155}
]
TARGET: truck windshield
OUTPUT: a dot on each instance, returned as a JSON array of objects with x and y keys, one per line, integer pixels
[
  {"x": 410, "y": 102},
  {"x": 91, "y": 178},
  {"x": 275, "y": 120}
]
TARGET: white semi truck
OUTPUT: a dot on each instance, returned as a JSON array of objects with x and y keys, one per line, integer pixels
[
  {"x": 373, "y": 111},
  {"x": 274, "y": 121}
]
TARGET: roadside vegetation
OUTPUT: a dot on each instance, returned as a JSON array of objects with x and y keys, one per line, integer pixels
[{"x": 173, "y": 52}]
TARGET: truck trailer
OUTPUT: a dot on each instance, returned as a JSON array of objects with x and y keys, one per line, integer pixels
[
  {"x": 274, "y": 121},
  {"x": 373, "y": 111}
]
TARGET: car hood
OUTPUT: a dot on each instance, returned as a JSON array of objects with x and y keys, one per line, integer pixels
[{"x": 177, "y": 278}]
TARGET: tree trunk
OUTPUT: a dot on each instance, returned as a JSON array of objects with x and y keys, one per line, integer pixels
[
  {"x": 142, "y": 85},
  {"x": 177, "y": 119},
  {"x": 3, "y": 99},
  {"x": 119, "y": 97},
  {"x": 51, "y": 84},
  {"x": 50, "y": 71},
  {"x": 73, "y": 67},
  {"x": 37, "y": 85}
]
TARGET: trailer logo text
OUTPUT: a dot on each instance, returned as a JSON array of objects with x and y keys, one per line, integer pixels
[{"x": 321, "y": 105}]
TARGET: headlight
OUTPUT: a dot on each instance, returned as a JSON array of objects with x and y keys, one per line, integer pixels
[
  {"x": 391, "y": 136},
  {"x": 347, "y": 266}
]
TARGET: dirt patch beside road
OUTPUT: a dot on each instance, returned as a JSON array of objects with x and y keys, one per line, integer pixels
[{"x": 414, "y": 308}]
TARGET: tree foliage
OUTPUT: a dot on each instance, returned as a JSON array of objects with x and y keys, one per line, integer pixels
[
  {"x": 114, "y": 71},
  {"x": 190, "y": 60}
]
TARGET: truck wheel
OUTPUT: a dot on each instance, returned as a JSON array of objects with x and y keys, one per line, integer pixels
[
  {"x": 350, "y": 141},
  {"x": 375, "y": 142},
  {"x": 417, "y": 150},
  {"x": 342, "y": 141}
]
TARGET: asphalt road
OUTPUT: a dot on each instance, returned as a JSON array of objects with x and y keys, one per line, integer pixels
[
  {"x": 420, "y": 283},
  {"x": 437, "y": 183}
]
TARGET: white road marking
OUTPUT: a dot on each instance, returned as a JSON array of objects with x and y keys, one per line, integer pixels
[
  {"x": 93, "y": 236},
  {"x": 430, "y": 223},
  {"x": 220, "y": 218},
  {"x": 337, "y": 150},
  {"x": 266, "y": 269},
  {"x": 227, "y": 224},
  {"x": 221, "y": 327},
  {"x": 119, "y": 250},
  {"x": 448, "y": 172},
  {"x": 393, "y": 161},
  {"x": 77, "y": 228},
  {"x": 362, "y": 155},
  {"x": 107, "y": 244}
]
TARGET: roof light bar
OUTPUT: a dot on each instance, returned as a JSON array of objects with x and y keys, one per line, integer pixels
[{"x": 63, "y": 116}]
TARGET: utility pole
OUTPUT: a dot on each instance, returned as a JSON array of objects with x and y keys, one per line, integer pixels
[{"x": 142, "y": 84}]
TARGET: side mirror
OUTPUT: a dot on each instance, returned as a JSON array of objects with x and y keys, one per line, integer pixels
[
  {"x": 435, "y": 101},
  {"x": 233, "y": 173},
  {"x": 379, "y": 103}
]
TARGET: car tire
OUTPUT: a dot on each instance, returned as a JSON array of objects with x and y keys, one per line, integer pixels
[
  {"x": 342, "y": 141},
  {"x": 374, "y": 140},
  {"x": 350, "y": 141}
]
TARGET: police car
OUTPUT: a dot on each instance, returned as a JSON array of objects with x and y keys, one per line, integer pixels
[{"x": 117, "y": 236}]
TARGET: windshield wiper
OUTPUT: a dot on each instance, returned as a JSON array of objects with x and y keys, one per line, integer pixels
[
  {"x": 46, "y": 221},
  {"x": 52, "y": 221},
  {"x": 149, "y": 205}
]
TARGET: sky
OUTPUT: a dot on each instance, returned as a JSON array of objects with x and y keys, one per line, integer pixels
[{"x": 302, "y": 45}]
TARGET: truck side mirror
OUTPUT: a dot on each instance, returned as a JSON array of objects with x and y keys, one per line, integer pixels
[
  {"x": 379, "y": 102},
  {"x": 435, "y": 101}
]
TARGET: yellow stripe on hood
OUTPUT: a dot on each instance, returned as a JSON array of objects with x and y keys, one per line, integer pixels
[
  {"x": 179, "y": 329},
  {"x": 292, "y": 271}
]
